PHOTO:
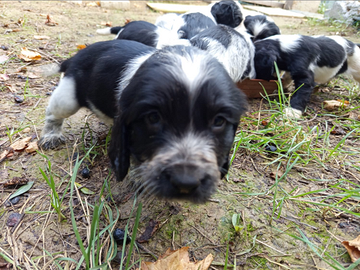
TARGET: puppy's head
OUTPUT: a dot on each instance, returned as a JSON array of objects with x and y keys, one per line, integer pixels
[
  {"x": 179, "y": 114},
  {"x": 266, "y": 53},
  {"x": 260, "y": 27},
  {"x": 227, "y": 12},
  {"x": 191, "y": 24}
]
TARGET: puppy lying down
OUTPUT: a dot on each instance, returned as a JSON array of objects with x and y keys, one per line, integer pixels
[
  {"x": 308, "y": 60},
  {"x": 175, "y": 112}
]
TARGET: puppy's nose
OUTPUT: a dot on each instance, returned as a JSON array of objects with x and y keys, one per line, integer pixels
[{"x": 184, "y": 177}]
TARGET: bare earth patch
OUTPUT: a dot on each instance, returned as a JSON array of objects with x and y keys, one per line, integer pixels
[{"x": 290, "y": 199}]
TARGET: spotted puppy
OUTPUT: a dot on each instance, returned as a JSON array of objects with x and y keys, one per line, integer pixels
[
  {"x": 260, "y": 27},
  {"x": 231, "y": 48},
  {"x": 308, "y": 60},
  {"x": 175, "y": 112},
  {"x": 145, "y": 33}
]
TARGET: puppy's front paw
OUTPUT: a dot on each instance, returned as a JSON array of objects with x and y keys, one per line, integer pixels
[
  {"x": 51, "y": 141},
  {"x": 292, "y": 113}
]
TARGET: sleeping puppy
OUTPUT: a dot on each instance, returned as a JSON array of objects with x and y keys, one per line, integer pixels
[
  {"x": 309, "y": 60},
  {"x": 175, "y": 111},
  {"x": 234, "y": 50},
  {"x": 260, "y": 27},
  {"x": 145, "y": 33}
]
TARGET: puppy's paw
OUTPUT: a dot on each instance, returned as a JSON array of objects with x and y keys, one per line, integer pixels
[
  {"x": 51, "y": 141},
  {"x": 292, "y": 113}
]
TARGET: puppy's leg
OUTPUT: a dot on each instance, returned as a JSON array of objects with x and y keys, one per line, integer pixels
[
  {"x": 63, "y": 103},
  {"x": 304, "y": 85},
  {"x": 354, "y": 64}
]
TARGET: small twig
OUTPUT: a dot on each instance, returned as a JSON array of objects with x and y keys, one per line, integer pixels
[
  {"x": 284, "y": 254},
  {"x": 212, "y": 242}
]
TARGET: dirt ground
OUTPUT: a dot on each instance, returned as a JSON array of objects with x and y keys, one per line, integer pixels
[{"x": 278, "y": 230}]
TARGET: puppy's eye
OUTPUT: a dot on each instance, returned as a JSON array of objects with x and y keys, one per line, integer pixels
[
  {"x": 219, "y": 122},
  {"x": 153, "y": 118}
]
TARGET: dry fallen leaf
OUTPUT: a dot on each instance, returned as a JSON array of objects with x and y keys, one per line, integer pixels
[
  {"x": 93, "y": 4},
  {"x": 16, "y": 181},
  {"x": 32, "y": 147},
  {"x": 28, "y": 55},
  {"x": 177, "y": 260},
  {"x": 331, "y": 105},
  {"x": 21, "y": 144},
  {"x": 108, "y": 24},
  {"x": 41, "y": 37},
  {"x": 81, "y": 46},
  {"x": 276, "y": 174},
  {"x": 353, "y": 248},
  {"x": 49, "y": 21}
]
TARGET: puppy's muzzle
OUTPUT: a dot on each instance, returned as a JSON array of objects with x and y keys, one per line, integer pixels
[{"x": 185, "y": 178}]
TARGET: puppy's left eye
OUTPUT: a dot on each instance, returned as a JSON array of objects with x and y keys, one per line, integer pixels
[
  {"x": 219, "y": 123},
  {"x": 153, "y": 118}
]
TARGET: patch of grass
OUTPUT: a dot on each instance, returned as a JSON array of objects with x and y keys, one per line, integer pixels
[{"x": 55, "y": 200}]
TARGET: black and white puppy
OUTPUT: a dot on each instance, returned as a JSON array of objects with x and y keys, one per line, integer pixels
[
  {"x": 145, "y": 33},
  {"x": 175, "y": 111},
  {"x": 227, "y": 12},
  {"x": 309, "y": 60},
  {"x": 260, "y": 27},
  {"x": 234, "y": 50},
  {"x": 189, "y": 25}
]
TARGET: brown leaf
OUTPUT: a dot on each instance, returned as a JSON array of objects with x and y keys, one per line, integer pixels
[
  {"x": 49, "y": 21},
  {"x": 21, "y": 144},
  {"x": 16, "y": 181},
  {"x": 41, "y": 37},
  {"x": 353, "y": 248},
  {"x": 338, "y": 131},
  {"x": 276, "y": 174},
  {"x": 177, "y": 260},
  {"x": 331, "y": 105},
  {"x": 32, "y": 147},
  {"x": 4, "y": 154},
  {"x": 127, "y": 21},
  {"x": 149, "y": 231},
  {"x": 81, "y": 46},
  {"x": 108, "y": 24},
  {"x": 264, "y": 123},
  {"x": 28, "y": 55}
]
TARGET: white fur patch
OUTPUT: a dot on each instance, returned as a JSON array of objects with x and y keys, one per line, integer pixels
[
  {"x": 104, "y": 31},
  {"x": 169, "y": 38},
  {"x": 354, "y": 64},
  {"x": 258, "y": 27},
  {"x": 131, "y": 69},
  {"x": 107, "y": 120},
  {"x": 287, "y": 42},
  {"x": 63, "y": 102},
  {"x": 323, "y": 74}
]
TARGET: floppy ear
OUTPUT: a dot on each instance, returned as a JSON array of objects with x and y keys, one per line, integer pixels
[
  {"x": 119, "y": 152},
  {"x": 225, "y": 167},
  {"x": 264, "y": 65}
]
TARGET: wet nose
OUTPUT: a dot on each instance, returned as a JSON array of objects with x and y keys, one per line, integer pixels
[{"x": 184, "y": 177}]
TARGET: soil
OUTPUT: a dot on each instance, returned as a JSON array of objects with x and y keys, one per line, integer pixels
[{"x": 270, "y": 235}]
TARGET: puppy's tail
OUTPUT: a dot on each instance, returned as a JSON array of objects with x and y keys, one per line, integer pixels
[
  {"x": 109, "y": 30},
  {"x": 52, "y": 69}
]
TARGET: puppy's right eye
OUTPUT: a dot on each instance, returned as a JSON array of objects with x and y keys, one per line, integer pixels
[{"x": 153, "y": 118}]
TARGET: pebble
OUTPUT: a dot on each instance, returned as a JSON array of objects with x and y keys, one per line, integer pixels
[
  {"x": 13, "y": 219},
  {"x": 270, "y": 148},
  {"x": 18, "y": 99},
  {"x": 85, "y": 173},
  {"x": 4, "y": 48},
  {"x": 119, "y": 235},
  {"x": 13, "y": 201}
]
